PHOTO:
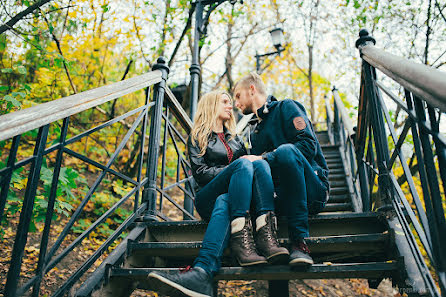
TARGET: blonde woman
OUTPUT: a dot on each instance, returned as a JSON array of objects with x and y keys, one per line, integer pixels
[{"x": 228, "y": 184}]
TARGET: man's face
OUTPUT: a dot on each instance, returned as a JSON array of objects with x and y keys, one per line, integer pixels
[{"x": 243, "y": 97}]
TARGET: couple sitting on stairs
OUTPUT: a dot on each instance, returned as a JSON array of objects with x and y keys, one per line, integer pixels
[{"x": 285, "y": 159}]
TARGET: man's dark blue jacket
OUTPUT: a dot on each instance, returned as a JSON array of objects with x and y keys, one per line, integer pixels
[{"x": 286, "y": 122}]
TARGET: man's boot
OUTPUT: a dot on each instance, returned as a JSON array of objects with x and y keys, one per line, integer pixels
[
  {"x": 300, "y": 254},
  {"x": 242, "y": 242},
  {"x": 266, "y": 239}
]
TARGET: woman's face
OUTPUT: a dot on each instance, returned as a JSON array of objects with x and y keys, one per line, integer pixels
[{"x": 224, "y": 107}]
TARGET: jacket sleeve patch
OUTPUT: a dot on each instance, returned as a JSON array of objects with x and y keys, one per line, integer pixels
[{"x": 299, "y": 123}]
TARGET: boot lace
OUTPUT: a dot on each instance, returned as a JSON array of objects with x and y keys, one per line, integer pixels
[
  {"x": 248, "y": 240},
  {"x": 185, "y": 269},
  {"x": 302, "y": 246}
]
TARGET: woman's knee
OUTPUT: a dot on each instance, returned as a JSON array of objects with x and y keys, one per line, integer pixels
[
  {"x": 221, "y": 204},
  {"x": 244, "y": 164},
  {"x": 261, "y": 166}
]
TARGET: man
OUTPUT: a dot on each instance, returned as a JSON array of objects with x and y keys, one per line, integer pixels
[{"x": 284, "y": 137}]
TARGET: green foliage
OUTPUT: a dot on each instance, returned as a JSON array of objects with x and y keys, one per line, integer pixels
[{"x": 64, "y": 202}]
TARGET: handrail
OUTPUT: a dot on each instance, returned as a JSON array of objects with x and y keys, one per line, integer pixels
[
  {"x": 424, "y": 81},
  {"x": 345, "y": 118},
  {"x": 375, "y": 158},
  {"x": 21, "y": 121},
  {"x": 178, "y": 110},
  {"x": 341, "y": 133},
  {"x": 167, "y": 114}
]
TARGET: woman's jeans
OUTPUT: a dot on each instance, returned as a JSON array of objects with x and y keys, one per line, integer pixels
[
  {"x": 229, "y": 196},
  {"x": 300, "y": 191}
]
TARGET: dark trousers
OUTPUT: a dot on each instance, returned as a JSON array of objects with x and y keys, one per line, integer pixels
[{"x": 300, "y": 191}]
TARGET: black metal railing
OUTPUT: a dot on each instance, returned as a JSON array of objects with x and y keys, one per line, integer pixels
[
  {"x": 150, "y": 184},
  {"x": 341, "y": 132},
  {"x": 424, "y": 89}
]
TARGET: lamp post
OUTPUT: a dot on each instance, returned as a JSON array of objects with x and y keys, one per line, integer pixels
[
  {"x": 278, "y": 40},
  {"x": 199, "y": 32},
  {"x": 201, "y": 24}
]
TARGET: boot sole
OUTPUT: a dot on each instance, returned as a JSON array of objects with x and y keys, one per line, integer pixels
[
  {"x": 301, "y": 262},
  {"x": 252, "y": 263},
  {"x": 278, "y": 258},
  {"x": 165, "y": 286}
]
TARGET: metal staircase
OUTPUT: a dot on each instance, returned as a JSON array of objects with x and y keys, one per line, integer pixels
[
  {"x": 369, "y": 228},
  {"x": 344, "y": 244}
]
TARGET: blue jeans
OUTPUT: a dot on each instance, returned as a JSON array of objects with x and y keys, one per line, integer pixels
[
  {"x": 226, "y": 197},
  {"x": 242, "y": 180},
  {"x": 299, "y": 189}
]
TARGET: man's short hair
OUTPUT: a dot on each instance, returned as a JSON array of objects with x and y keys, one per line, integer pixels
[{"x": 251, "y": 79}]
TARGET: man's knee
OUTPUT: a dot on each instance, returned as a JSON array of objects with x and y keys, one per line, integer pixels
[{"x": 287, "y": 154}]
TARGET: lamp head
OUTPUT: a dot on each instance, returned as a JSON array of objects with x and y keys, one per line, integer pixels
[{"x": 277, "y": 37}]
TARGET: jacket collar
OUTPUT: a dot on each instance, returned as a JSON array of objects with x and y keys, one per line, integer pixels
[{"x": 270, "y": 103}]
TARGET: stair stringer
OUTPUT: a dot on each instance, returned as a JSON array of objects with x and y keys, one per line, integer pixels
[
  {"x": 97, "y": 284},
  {"x": 411, "y": 280}
]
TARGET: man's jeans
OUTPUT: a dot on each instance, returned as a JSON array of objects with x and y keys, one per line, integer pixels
[
  {"x": 299, "y": 189},
  {"x": 226, "y": 197}
]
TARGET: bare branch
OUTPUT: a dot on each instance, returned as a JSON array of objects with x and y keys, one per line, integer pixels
[
  {"x": 186, "y": 28},
  {"x": 8, "y": 25},
  {"x": 139, "y": 37},
  {"x": 60, "y": 52}
]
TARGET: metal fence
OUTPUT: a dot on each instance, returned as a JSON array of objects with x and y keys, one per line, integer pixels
[
  {"x": 424, "y": 89},
  {"x": 169, "y": 127}
]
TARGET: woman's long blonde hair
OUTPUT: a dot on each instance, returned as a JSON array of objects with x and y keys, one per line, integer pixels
[{"x": 206, "y": 117}]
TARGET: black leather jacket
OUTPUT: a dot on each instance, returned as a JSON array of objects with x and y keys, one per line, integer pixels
[{"x": 206, "y": 167}]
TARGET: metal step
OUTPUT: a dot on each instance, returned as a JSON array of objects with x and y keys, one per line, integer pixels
[
  {"x": 368, "y": 270},
  {"x": 337, "y": 207},
  {"x": 337, "y": 165},
  {"x": 330, "y": 147},
  {"x": 339, "y": 190},
  {"x": 338, "y": 184},
  {"x": 336, "y": 177},
  {"x": 333, "y": 158},
  {"x": 324, "y": 224},
  {"x": 359, "y": 244},
  {"x": 322, "y": 137},
  {"x": 339, "y": 198},
  {"x": 336, "y": 171}
]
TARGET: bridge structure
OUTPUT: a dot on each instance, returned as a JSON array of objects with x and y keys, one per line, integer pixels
[{"x": 369, "y": 229}]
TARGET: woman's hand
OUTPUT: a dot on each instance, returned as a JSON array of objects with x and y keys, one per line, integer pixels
[{"x": 252, "y": 158}]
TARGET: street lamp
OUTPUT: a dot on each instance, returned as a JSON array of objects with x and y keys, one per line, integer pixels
[
  {"x": 195, "y": 69},
  {"x": 278, "y": 40},
  {"x": 199, "y": 32}
]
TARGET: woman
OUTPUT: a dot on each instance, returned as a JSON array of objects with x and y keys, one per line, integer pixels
[{"x": 228, "y": 184}]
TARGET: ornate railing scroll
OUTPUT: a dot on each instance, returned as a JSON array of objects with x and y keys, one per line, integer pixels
[
  {"x": 421, "y": 215},
  {"x": 54, "y": 126}
]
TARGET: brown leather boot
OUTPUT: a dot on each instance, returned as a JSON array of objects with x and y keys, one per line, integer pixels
[
  {"x": 242, "y": 242},
  {"x": 266, "y": 239}
]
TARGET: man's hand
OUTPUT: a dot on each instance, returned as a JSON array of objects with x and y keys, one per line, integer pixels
[{"x": 252, "y": 158}]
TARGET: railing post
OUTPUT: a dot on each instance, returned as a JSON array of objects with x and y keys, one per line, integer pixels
[
  {"x": 150, "y": 192},
  {"x": 195, "y": 68},
  {"x": 26, "y": 214},
  {"x": 432, "y": 198},
  {"x": 336, "y": 121},
  {"x": 377, "y": 123}
]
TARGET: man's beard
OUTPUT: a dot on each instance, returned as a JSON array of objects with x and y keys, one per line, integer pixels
[{"x": 247, "y": 110}]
